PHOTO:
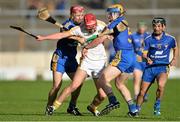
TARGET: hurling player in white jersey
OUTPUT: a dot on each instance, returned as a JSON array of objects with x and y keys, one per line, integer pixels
[{"x": 90, "y": 65}]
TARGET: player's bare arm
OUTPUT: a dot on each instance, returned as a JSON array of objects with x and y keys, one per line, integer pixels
[
  {"x": 175, "y": 56},
  {"x": 99, "y": 40},
  {"x": 80, "y": 39},
  {"x": 55, "y": 36}
]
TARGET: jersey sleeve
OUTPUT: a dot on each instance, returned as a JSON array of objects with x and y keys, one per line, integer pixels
[
  {"x": 75, "y": 31},
  {"x": 122, "y": 26},
  {"x": 101, "y": 25},
  {"x": 146, "y": 46},
  {"x": 173, "y": 43},
  {"x": 68, "y": 24}
]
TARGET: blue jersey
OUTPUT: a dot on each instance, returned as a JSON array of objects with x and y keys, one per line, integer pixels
[
  {"x": 120, "y": 41},
  {"x": 138, "y": 42},
  {"x": 159, "y": 50},
  {"x": 67, "y": 47}
]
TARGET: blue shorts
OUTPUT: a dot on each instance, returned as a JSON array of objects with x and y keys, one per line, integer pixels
[
  {"x": 124, "y": 60},
  {"x": 140, "y": 66},
  {"x": 63, "y": 64},
  {"x": 150, "y": 73}
]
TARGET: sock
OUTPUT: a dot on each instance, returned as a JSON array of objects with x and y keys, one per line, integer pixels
[
  {"x": 112, "y": 99},
  {"x": 138, "y": 107},
  {"x": 157, "y": 104},
  {"x": 130, "y": 102},
  {"x": 72, "y": 104},
  {"x": 93, "y": 106},
  {"x": 56, "y": 104},
  {"x": 131, "y": 105}
]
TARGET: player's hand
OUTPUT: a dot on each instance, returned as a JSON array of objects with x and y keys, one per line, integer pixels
[
  {"x": 110, "y": 37},
  {"x": 82, "y": 40},
  {"x": 149, "y": 61},
  {"x": 40, "y": 38},
  {"x": 84, "y": 52},
  {"x": 173, "y": 62}
]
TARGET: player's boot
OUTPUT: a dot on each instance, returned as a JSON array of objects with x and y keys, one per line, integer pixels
[
  {"x": 110, "y": 107},
  {"x": 157, "y": 111},
  {"x": 74, "y": 111},
  {"x": 49, "y": 110},
  {"x": 95, "y": 112},
  {"x": 133, "y": 111}
]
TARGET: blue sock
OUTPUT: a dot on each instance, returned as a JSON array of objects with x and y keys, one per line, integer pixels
[
  {"x": 138, "y": 107},
  {"x": 157, "y": 104},
  {"x": 131, "y": 105}
]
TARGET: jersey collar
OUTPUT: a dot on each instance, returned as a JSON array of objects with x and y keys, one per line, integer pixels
[{"x": 161, "y": 36}]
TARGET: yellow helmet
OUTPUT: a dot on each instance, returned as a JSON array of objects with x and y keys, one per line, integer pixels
[{"x": 116, "y": 8}]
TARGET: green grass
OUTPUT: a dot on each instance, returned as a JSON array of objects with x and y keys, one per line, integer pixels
[{"x": 25, "y": 100}]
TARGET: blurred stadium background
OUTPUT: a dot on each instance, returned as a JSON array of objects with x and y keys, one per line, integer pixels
[{"x": 23, "y": 58}]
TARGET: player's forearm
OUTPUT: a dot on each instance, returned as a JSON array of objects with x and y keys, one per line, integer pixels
[
  {"x": 79, "y": 39},
  {"x": 106, "y": 31},
  {"x": 175, "y": 53},
  {"x": 54, "y": 36},
  {"x": 96, "y": 41}
]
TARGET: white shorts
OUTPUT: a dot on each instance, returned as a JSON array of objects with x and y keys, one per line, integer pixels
[{"x": 92, "y": 67}]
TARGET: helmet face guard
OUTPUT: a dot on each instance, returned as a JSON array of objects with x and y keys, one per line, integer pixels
[
  {"x": 111, "y": 10},
  {"x": 114, "y": 11},
  {"x": 90, "y": 21},
  {"x": 159, "y": 20}
]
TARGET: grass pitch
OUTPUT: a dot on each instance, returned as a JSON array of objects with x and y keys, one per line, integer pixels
[{"x": 26, "y": 100}]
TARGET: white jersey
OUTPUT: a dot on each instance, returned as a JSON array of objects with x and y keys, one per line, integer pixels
[{"x": 98, "y": 52}]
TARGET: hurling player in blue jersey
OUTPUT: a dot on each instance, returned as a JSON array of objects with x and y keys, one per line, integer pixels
[
  {"x": 64, "y": 60},
  {"x": 157, "y": 47},
  {"x": 138, "y": 42},
  {"x": 123, "y": 61}
]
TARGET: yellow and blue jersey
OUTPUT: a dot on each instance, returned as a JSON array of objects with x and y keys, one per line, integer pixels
[
  {"x": 159, "y": 50},
  {"x": 120, "y": 33},
  {"x": 125, "y": 57}
]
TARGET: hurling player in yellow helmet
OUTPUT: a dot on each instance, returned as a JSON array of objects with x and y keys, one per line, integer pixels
[
  {"x": 123, "y": 62},
  {"x": 115, "y": 11}
]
